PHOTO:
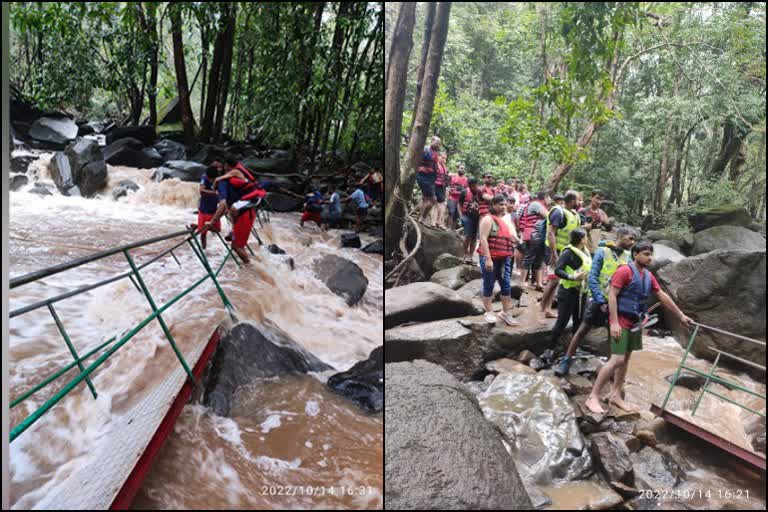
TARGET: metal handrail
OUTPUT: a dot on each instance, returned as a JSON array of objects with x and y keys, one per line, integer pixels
[
  {"x": 197, "y": 249},
  {"x": 711, "y": 375}
]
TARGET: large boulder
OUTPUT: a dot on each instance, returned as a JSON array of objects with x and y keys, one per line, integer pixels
[
  {"x": 684, "y": 241},
  {"x": 612, "y": 457},
  {"x": 725, "y": 215},
  {"x": 423, "y": 302},
  {"x": 62, "y": 172},
  {"x": 342, "y": 277},
  {"x": 445, "y": 261},
  {"x": 654, "y": 469},
  {"x": 722, "y": 289},
  {"x": 350, "y": 240},
  {"x": 537, "y": 416},
  {"x": 41, "y": 189},
  {"x": 17, "y": 181},
  {"x": 434, "y": 242},
  {"x": 474, "y": 290},
  {"x": 122, "y": 189},
  {"x": 462, "y": 350},
  {"x": 20, "y": 164},
  {"x": 663, "y": 255},
  {"x": 145, "y": 134},
  {"x": 184, "y": 170},
  {"x": 364, "y": 382},
  {"x": 208, "y": 153},
  {"x": 283, "y": 203},
  {"x": 456, "y": 277},
  {"x": 248, "y": 353},
  {"x": 87, "y": 165},
  {"x": 279, "y": 165},
  {"x": 171, "y": 150},
  {"x": 376, "y": 247},
  {"x": 727, "y": 238},
  {"x": 440, "y": 453},
  {"x": 92, "y": 178},
  {"x": 129, "y": 152},
  {"x": 56, "y": 130}
]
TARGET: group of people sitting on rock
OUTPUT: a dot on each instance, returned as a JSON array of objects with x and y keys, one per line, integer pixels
[{"x": 596, "y": 282}]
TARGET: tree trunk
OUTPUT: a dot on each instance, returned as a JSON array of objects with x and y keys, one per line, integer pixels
[
  {"x": 738, "y": 161},
  {"x": 733, "y": 135},
  {"x": 400, "y": 51},
  {"x": 214, "y": 80},
  {"x": 428, "y": 22},
  {"x": 226, "y": 69},
  {"x": 395, "y": 222},
  {"x": 304, "y": 135},
  {"x": 661, "y": 184},
  {"x": 204, "y": 34},
  {"x": 181, "y": 77}
]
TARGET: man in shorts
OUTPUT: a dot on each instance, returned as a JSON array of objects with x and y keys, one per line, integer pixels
[
  {"x": 627, "y": 302},
  {"x": 457, "y": 183},
  {"x": 426, "y": 173},
  {"x": 470, "y": 217}
]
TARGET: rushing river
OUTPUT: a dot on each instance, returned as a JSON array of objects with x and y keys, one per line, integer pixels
[{"x": 293, "y": 431}]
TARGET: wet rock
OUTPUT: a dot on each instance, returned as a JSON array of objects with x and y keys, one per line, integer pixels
[
  {"x": 434, "y": 242},
  {"x": 283, "y": 203},
  {"x": 145, "y": 134},
  {"x": 625, "y": 491},
  {"x": 92, "y": 178},
  {"x": 612, "y": 457},
  {"x": 122, "y": 189},
  {"x": 248, "y": 353},
  {"x": 687, "y": 380},
  {"x": 653, "y": 470},
  {"x": 683, "y": 240},
  {"x": 364, "y": 382},
  {"x": 342, "y": 277},
  {"x": 755, "y": 430},
  {"x": 460, "y": 350},
  {"x": 456, "y": 277},
  {"x": 525, "y": 356},
  {"x": 41, "y": 190},
  {"x": 586, "y": 366},
  {"x": 61, "y": 171},
  {"x": 474, "y": 290},
  {"x": 17, "y": 181},
  {"x": 670, "y": 244},
  {"x": 476, "y": 387},
  {"x": 423, "y": 302},
  {"x": 56, "y": 130},
  {"x": 376, "y": 247},
  {"x": 209, "y": 153},
  {"x": 350, "y": 240},
  {"x": 445, "y": 261},
  {"x": 715, "y": 289},
  {"x": 271, "y": 165},
  {"x": 508, "y": 365},
  {"x": 577, "y": 384},
  {"x": 537, "y": 364},
  {"x": 663, "y": 256},
  {"x": 725, "y": 215},
  {"x": 129, "y": 152},
  {"x": 170, "y": 150},
  {"x": 440, "y": 452},
  {"x": 727, "y": 238},
  {"x": 646, "y": 437},
  {"x": 535, "y": 413},
  {"x": 275, "y": 249},
  {"x": 185, "y": 170},
  {"x": 20, "y": 164}
]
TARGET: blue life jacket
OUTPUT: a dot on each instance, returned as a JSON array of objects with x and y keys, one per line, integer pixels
[{"x": 633, "y": 298}]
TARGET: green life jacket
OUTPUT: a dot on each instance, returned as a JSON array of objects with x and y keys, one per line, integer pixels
[
  {"x": 563, "y": 235},
  {"x": 586, "y": 263},
  {"x": 610, "y": 264}
]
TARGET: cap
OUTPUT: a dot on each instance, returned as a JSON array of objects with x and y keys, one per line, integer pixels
[{"x": 558, "y": 197}]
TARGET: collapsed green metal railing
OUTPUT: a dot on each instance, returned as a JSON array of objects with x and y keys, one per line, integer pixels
[
  {"x": 711, "y": 375},
  {"x": 190, "y": 238}
]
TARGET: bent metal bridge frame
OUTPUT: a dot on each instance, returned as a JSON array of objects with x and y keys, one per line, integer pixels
[
  {"x": 121, "y": 458},
  {"x": 751, "y": 459}
]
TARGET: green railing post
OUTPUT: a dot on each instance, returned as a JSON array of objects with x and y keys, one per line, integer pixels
[
  {"x": 71, "y": 347},
  {"x": 135, "y": 284},
  {"x": 682, "y": 362},
  {"x": 228, "y": 249},
  {"x": 256, "y": 234},
  {"x": 159, "y": 318},
  {"x": 58, "y": 374},
  {"x": 175, "y": 258},
  {"x": 706, "y": 383},
  {"x": 208, "y": 268}
]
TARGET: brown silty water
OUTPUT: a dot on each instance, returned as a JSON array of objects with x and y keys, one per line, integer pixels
[{"x": 295, "y": 433}]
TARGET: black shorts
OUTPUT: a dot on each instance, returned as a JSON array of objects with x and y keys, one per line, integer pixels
[
  {"x": 426, "y": 184},
  {"x": 362, "y": 212},
  {"x": 440, "y": 193},
  {"x": 594, "y": 315}
]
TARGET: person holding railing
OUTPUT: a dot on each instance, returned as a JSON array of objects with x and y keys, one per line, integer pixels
[
  {"x": 628, "y": 295},
  {"x": 207, "y": 206}
]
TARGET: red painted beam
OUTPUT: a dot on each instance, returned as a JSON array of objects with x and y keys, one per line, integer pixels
[
  {"x": 127, "y": 493},
  {"x": 747, "y": 456}
]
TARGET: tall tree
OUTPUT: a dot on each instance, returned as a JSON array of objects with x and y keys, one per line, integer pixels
[{"x": 187, "y": 121}]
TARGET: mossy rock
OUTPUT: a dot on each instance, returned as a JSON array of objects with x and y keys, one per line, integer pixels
[{"x": 724, "y": 215}]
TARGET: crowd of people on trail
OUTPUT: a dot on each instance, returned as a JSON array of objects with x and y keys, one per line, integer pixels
[
  {"x": 230, "y": 189},
  {"x": 553, "y": 245}
]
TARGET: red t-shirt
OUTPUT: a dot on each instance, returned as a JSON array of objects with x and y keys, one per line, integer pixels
[
  {"x": 622, "y": 278},
  {"x": 456, "y": 182}
]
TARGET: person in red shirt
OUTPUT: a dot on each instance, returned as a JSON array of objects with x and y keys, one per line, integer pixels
[
  {"x": 441, "y": 182},
  {"x": 627, "y": 302},
  {"x": 487, "y": 193},
  {"x": 457, "y": 183}
]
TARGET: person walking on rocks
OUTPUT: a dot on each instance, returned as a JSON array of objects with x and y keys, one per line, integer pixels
[
  {"x": 426, "y": 174},
  {"x": 572, "y": 268},
  {"x": 530, "y": 215},
  {"x": 604, "y": 265},
  {"x": 469, "y": 212},
  {"x": 441, "y": 179},
  {"x": 628, "y": 295},
  {"x": 595, "y": 219},
  {"x": 497, "y": 242},
  {"x": 457, "y": 183},
  {"x": 561, "y": 220}
]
